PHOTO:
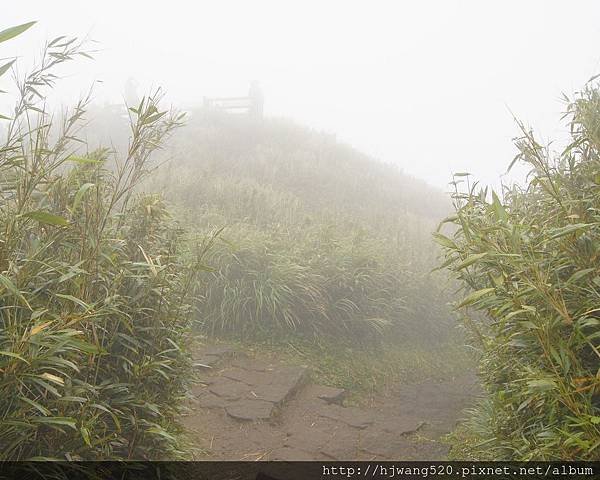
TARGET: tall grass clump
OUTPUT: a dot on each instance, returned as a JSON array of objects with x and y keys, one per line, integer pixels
[
  {"x": 95, "y": 295},
  {"x": 319, "y": 241},
  {"x": 530, "y": 265}
]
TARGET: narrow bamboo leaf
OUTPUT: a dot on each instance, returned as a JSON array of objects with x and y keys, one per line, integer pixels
[
  {"x": 73, "y": 299},
  {"x": 40, "y": 408},
  {"x": 13, "y": 355},
  {"x": 562, "y": 231},
  {"x": 12, "y": 32},
  {"x": 83, "y": 160},
  {"x": 47, "y": 218},
  {"x": 4, "y": 68},
  {"x": 10, "y": 286},
  {"x": 39, "y": 328},
  {"x": 444, "y": 241},
  {"x": 64, "y": 421},
  {"x": 542, "y": 384},
  {"x": 85, "y": 434},
  {"x": 470, "y": 260},
  {"x": 473, "y": 297},
  {"x": 80, "y": 193},
  {"x": 499, "y": 210},
  {"x": 52, "y": 378}
]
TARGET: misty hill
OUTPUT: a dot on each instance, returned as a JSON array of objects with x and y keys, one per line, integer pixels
[
  {"x": 319, "y": 238},
  {"x": 281, "y": 170}
]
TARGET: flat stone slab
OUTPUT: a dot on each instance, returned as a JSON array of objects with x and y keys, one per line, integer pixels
[
  {"x": 249, "y": 377},
  {"x": 290, "y": 375},
  {"x": 330, "y": 394},
  {"x": 210, "y": 400},
  {"x": 252, "y": 364},
  {"x": 271, "y": 393},
  {"x": 308, "y": 439},
  {"x": 400, "y": 425},
  {"x": 352, "y": 416},
  {"x": 388, "y": 445},
  {"x": 250, "y": 410},
  {"x": 229, "y": 389}
]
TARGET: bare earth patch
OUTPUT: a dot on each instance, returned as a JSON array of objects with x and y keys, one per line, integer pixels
[{"x": 245, "y": 408}]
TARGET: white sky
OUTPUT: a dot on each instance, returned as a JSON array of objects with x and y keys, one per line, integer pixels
[{"x": 424, "y": 84}]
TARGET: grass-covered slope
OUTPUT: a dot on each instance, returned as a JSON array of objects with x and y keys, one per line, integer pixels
[{"x": 319, "y": 239}]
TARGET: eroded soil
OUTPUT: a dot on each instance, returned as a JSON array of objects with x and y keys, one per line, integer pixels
[{"x": 247, "y": 408}]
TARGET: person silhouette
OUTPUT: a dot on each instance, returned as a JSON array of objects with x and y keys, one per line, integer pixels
[{"x": 257, "y": 99}]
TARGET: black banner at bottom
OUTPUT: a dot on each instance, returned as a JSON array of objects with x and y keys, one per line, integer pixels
[{"x": 296, "y": 470}]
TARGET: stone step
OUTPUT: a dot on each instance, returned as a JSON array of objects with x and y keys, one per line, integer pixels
[
  {"x": 207, "y": 357},
  {"x": 250, "y": 390}
]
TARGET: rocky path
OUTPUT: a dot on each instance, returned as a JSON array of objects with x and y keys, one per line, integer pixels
[{"x": 245, "y": 408}]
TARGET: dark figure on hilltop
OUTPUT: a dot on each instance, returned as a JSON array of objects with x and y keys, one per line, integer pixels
[{"x": 257, "y": 100}]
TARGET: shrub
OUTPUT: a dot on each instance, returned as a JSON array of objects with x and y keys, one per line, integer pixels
[
  {"x": 318, "y": 282},
  {"x": 531, "y": 267},
  {"x": 94, "y": 295}
]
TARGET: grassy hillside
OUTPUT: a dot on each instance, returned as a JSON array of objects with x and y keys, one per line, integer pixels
[{"x": 318, "y": 240}]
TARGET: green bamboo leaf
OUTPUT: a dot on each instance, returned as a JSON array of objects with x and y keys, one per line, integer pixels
[
  {"x": 80, "y": 193},
  {"x": 580, "y": 274},
  {"x": 444, "y": 241},
  {"x": 499, "y": 210},
  {"x": 12, "y": 32},
  {"x": 470, "y": 260},
  {"x": 47, "y": 218},
  {"x": 85, "y": 434},
  {"x": 83, "y": 160},
  {"x": 543, "y": 384},
  {"x": 73, "y": 299},
  {"x": 13, "y": 355},
  {"x": 4, "y": 68},
  {"x": 562, "y": 231},
  {"x": 10, "y": 286},
  {"x": 40, "y": 408},
  {"x": 473, "y": 297},
  {"x": 63, "y": 421}
]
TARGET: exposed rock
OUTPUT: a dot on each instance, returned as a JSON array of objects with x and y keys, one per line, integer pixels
[
  {"x": 401, "y": 425},
  {"x": 271, "y": 393},
  {"x": 229, "y": 389},
  {"x": 352, "y": 416},
  {"x": 248, "y": 377},
  {"x": 308, "y": 438},
  {"x": 210, "y": 400},
  {"x": 330, "y": 394},
  {"x": 386, "y": 445},
  {"x": 252, "y": 364},
  {"x": 250, "y": 410}
]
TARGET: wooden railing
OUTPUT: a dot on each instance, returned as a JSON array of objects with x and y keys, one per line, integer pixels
[{"x": 251, "y": 105}]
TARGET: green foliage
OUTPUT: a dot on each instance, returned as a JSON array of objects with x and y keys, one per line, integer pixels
[
  {"x": 319, "y": 240},
  {"x": 530, "y": 265},
  {"x": 95, "y": 294}
]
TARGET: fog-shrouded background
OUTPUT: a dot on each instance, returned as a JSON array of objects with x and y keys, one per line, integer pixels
[{"x": 430, "y": 86}]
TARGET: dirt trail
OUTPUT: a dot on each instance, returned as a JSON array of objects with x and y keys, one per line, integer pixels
[{"x": 246, "y": 408}]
